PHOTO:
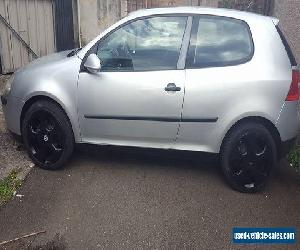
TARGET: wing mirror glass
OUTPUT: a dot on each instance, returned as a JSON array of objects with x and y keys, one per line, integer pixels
[{"x": 93, "y": 64}]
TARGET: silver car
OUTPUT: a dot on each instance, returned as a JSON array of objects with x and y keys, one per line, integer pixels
[{"x": 199, "y": 79}]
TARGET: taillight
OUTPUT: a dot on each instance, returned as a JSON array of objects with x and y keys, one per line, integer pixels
[{"x": 293, "y": 94}]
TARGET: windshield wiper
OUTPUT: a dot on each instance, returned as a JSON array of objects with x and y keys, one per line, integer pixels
[{"x": 73, "y": 52}]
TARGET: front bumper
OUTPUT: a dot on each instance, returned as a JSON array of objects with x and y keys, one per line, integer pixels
[{"x": 12, "y": 108}]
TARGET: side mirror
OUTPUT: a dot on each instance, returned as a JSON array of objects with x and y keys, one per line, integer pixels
[{"x": 93, "y": 64}]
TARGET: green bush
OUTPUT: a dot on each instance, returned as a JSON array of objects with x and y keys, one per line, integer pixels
[
  {"x": 294, "y": 157},
  {"x": 8, "y": 186}
]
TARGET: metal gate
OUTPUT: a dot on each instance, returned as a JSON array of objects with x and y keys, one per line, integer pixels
[{"x": 26, "y": 29}]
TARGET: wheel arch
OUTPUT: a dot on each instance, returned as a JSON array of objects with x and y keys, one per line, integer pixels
[
  {"x": 261, "y": 120},
  {"x": 39, "y": 97}
]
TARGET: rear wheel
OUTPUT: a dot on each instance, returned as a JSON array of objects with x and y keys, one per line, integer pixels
[
  {"x": 47, "y": 135},
  {"x": 248, "y": 154}
]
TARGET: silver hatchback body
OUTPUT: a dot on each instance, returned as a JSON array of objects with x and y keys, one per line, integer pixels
[{"x": 172, "y": 78}]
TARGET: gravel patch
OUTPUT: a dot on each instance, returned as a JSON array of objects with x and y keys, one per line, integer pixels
[{"x": 12, "y": 154}]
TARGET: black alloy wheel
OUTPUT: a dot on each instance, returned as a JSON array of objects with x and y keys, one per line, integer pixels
[
  {"x": 47, "y": 135},
  {"x": 248, "y": 155}
]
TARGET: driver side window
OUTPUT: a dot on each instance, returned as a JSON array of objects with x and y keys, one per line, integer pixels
[{"x": 146, "y": 44}]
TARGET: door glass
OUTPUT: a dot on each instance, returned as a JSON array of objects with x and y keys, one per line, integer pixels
[{"x": 146, "y": 44}]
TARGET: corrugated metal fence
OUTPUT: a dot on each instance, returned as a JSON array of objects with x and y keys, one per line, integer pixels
[{"x": 33, "y": 21}]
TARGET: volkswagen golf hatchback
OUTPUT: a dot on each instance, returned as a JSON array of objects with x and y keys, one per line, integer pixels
[{"x": 199, "y": 79}]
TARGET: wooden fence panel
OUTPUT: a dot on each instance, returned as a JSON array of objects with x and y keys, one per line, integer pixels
[{"x": 33, "y": 21}]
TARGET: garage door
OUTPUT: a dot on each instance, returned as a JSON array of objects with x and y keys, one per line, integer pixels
[{"x": 28, "y": 20}]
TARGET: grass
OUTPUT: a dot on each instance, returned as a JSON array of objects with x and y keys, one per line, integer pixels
[
  {"x": 8, "y": 186},
  {"x": 294, "y": 157}
]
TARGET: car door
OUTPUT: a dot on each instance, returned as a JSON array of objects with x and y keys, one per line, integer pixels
[
  {"x": 136, "y": 98},
  {"x": 216, "y": 67}
]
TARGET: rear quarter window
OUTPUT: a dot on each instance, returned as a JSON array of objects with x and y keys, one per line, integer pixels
[{"x": 219, "y": 41}]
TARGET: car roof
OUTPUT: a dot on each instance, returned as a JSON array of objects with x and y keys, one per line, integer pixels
[{"x": 243, "y": 15}]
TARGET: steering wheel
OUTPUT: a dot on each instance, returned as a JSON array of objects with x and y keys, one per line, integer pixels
[{"x": 123, "y": 50}]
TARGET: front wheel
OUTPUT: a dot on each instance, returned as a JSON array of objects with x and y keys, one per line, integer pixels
[
  {"x": 47, "y": 135},
  {"x": 248, "y": 154}
]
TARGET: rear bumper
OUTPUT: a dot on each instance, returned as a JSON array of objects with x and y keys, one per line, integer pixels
[
  {"x": 286, "y": 146},
  {"x": 288, "y": 122}
]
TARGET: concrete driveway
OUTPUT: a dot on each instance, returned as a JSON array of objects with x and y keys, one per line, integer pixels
[{"x": 117, "y": 198}]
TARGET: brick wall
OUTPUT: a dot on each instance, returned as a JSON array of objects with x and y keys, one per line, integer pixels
[{"x": 288, "y": 12}]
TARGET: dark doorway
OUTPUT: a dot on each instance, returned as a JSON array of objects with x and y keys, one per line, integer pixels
[{"x": 64, "y": 26}]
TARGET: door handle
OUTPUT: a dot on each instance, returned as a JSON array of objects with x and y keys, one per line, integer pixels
[{"x": 172, "y": 87}]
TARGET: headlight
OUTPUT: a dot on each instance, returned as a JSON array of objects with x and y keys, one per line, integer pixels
[{"x": 8, "y": 84}]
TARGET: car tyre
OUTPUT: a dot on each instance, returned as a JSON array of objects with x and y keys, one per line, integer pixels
[
  {"x": 47, "y": 135},
  {"x": 248, "y": 154}
]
